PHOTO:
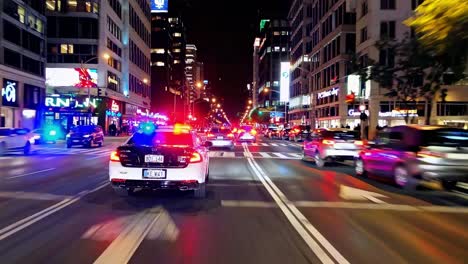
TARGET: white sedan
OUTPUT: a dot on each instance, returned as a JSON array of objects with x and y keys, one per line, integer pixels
[
  {"x": 160, "y": 158},
  {"x": 15, "y": 139}
]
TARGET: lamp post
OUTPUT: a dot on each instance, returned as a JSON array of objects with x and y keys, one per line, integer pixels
[{"x": 106, "y": 57}]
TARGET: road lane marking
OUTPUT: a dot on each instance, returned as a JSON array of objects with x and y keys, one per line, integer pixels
[
  {"x": 264, "y": 144},
  {"x": 254, "y": 144},
  {"x": 279, "y": 155},
  {"x": 34, "y": 196},
  {"x": 152, "y": 224},
  {"x": 31, "y": 173},
  {"x": 462, "y": 185},
  {"x": 264, "y": 154},
  {"x": 25, "y": 222},
  {"x": 274, "y": 144},
  {"x": 350, "y": 205},
  {"x": 350, "y": 193},
  {"x": 306, "y": 230},
  {"x": 229, "y": 155}
]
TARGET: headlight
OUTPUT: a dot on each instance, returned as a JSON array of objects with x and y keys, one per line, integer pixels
[
  {"x": 36, "y": 137},
  {"x": 86, "y": 136},
  {"x": 68, "y": 135},
  {"x": 52, "y": 133},
  {"x": 32, "y": 141}
]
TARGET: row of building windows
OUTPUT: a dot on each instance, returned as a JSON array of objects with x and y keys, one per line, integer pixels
[
  {"x": 452, "y": 109},
  {"x": 114, "y": 29},
  {"x": 327, "y": 111},
  {"x": 21, "y": 14},
  {"x": 332, "y": 49},
  {"x": 114, "y": 63},
  {"x": 72, "y": 27},
  {"x": 116, "y": 6},
  {"x": 139, "y": 27},
  {"x": 113, "y": 81},
  {"x": 71, "y": 53},
  {"x": 139, "y": 87},
  {"x": 85, "y": 6},
  {"x": 23, "y": 38},
  {"x": 23, "y": 62},
  {"x": 326, "y": 77},
  {"x": 114, "y": 47},
  {"x": 145, "y": 7},
  {"x": 138, "y": 58}
]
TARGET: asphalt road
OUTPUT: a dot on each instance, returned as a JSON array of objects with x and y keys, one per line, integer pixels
[{"x": 264, "y": 205}]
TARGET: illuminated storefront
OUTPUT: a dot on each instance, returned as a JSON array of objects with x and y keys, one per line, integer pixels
[{"x": 10, "y": 103}]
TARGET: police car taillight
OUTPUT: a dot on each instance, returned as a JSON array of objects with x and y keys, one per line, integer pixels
[
  {"x": 114, "y": 156},
  {"x": 196, "y": 157}
]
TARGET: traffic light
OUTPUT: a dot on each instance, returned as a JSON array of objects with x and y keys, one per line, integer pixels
[
  {"x": 350, "y": 98},
  {"x": 100, "y": 92}
]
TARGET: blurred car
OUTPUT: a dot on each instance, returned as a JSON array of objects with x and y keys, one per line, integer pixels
[
  {"x": 284, "y": 134},
  {"x": 274, "y": 133},
  {"x": 328, "y": 145},
  {"x": 247, "y": 134},
  {"x": 411, "y": 154},
  {"x": 166, "y": 158},
  {"x": 86, "y": 136},
  {"x": 16, "y": 139},
  {"x": 221, "y": 138},
  {"x": 299, "y": 133},
  {"x": 42, "y": 136}
]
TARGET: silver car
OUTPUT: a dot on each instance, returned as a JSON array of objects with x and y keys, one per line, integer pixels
[
  {"x": 335, "y": 144},
  {"x": 221, "y": 138},
  {"x": 411, "y": 155}
]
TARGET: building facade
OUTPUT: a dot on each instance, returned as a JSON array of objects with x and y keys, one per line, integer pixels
[
  {"x": 168, "y": 65},
  {"x": 300, "y": 101},
  {"x": 98, "y": 60},
  {"x": 22, "y": 62},
  {"x": 190, "y": 61}
]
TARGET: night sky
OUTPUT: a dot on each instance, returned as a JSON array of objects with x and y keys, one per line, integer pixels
[{"x": 224, "y": 31}]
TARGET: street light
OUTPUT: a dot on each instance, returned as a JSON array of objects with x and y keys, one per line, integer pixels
[
  {"x": 145, "y": 81},
  {"x": 213, "y": 100},
  {"x": 250, "y": 101},
  {"x": 199, "y": 85},
  {"x": 218, "y": 106}
]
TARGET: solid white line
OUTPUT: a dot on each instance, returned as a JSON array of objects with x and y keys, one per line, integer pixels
[
  {"x": 124, "y": 246},
  {"x": 25, "y": 222},
  {"x": 298, "y": 220},
  {"x": 31, "y": 173}
]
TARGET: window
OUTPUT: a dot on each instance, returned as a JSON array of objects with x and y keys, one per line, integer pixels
[
  {"x": 364, "y": 8},
  {"x": 66, "y": 48},
  {"x": 363, "y": 34},
  {"x": 175, "y": 62},
  {"x": 160, "y": 63},
  {"x": 276, "y": 33},
  {"x": 387, "y": 4},
  {"x": 53, "y": 5},
  {"x": 115, "y": 4},
  {"x": 387, "y": 57},
  {"x": 21, "y": 14},
  {"x": 72, "y": 5},
  {"x": 387, "y": 30},
  {"x": 177, "y": 34},
  {"x": 158, "y": 51}
]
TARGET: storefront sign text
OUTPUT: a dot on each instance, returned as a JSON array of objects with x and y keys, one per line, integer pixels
[
  {"x": 394, "y": 113},
  {"x": 9, "y": 93},
  {"x": 333, "y": 91},
  {"x": 115, "y": 107},
  {"x": 68, "y": 102}
]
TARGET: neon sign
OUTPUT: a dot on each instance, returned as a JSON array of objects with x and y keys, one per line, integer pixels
[
  {"x": 68, "y": 102},
  {"x": 333, "y": 91},
  {"x": 115, "y": 107},
  {"x": 159, "y": 6},
  {"x": 393, "y": 113},
  {"x": 9, "y": 93},
  {"x": 113, "y": 114}
]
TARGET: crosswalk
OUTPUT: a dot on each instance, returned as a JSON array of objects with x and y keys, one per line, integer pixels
[{"x": 261, "y": 155}]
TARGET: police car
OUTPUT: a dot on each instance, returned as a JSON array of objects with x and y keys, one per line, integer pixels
[{"x": 164, "y": 157}]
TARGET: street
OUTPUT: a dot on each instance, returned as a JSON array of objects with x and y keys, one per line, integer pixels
[{"x": 264, "y": 205}]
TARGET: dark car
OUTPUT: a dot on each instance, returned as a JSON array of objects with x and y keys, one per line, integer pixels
[
  {"x": 299, "y": 133},
  {"x": 410, "y": 155},
  {"x": 86, "y": 136}
]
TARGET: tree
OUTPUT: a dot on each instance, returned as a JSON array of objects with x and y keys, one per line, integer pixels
[{"x": 441, "y": 25}]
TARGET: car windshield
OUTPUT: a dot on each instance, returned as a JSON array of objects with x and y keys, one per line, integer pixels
[
  {"x": 344, "y": 135},
  {"x": 220, "y": 131},
  {"x": 83, "y": 129},
  {"x": 161, "y": 138},
  {"x": 445, "y": 137},
  {"x": 5, "y": 132}
]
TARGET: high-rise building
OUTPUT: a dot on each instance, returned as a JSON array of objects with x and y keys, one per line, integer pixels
[
  {"x": 300, "y": 101},
  {"x": 98, "y": 61},
  {"x": 273, "y": 49},
  {"x": 168, "y": 47},
  {"x": 22, "y": 62},
  {"x": 199, "y": 78},
  {"x": 190, "y": 61}
]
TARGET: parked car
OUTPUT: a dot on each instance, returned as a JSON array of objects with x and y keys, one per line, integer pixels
[
  {"x": 16, "y": 139},
  {"x": 328, "y": 145},
  {"x": 86, "y": 136},
  {"x": 411, "y": 154},
  {"x": 299, "y": 133}
]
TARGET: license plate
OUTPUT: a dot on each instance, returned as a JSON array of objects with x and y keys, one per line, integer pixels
[
  {"x": 76, "y": 140},
  {"x": 219, "y": 137},
  {"x": 154, "y": 174},
  {"x": 154, "y": 158}
]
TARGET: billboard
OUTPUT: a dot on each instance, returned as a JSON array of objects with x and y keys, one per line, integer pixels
[
  {"x": 159, "y": 6},
  {"x": 284, "y": 81},
  {"x": 71, "y": 77}
]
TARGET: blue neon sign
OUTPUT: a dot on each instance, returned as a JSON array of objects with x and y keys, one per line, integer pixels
[{"x": 159, "y": 6}]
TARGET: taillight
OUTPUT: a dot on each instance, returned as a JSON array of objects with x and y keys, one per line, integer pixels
[
  {"x": 253, "y": 132},
  {"x": 230, "y": 135},
  {"x": 328, "y": 142},
  {"x": 210, "y": 135},
  {"x": 114, "y": 156},
  {"x": 358, "y": 143},
  {"x": 196, "y": 157}
]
